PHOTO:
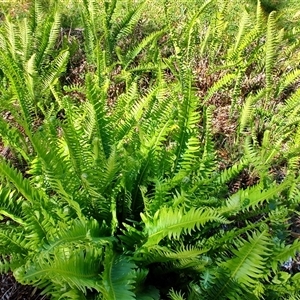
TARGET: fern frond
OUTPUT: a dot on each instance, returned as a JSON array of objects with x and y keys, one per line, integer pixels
[
  {"x": 127, "y": 23},
  {"x": 225, "y": 80},
  {"x": 76, "y": 269},
  {"x": 176, "y": 295},
  {"x": 22, "y": 184},
  {"x": 77, "y": 232},
  {"x": 271, "y": 45},
  {"x": 55, "y": 69},
  {"x": 12, "y": 137},
  {"x": 253, "y": 197},
  {"x": 244, "y": 270},
  {"x": 10, "y": 205},
  {"x": 208, "y": 156},
  {"x": 282, "y": 254},
  {"x": 188, "y": 118},
  {"x": 117, "y": 278},
  {"x": 131, "y": 55},
  {"x": 13, "y": 242},
  {"x": 173, "y": 222},
  {"x": 246, "y": 114},
  {"x": 46, "y": 38},
  {"x": 99, "y": 115},
  {"x": 26, "y": 37},
  {"x": 19, "y": 86},
  {"x": 288, "y": 80},
  {"x": 250, "y": 258},
  {"x": 244, "y": 22}
]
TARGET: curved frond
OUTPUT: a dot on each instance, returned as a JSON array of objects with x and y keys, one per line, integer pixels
[
  {"x": 173, "y": 222},
  {"x": 117, "y": 279}
]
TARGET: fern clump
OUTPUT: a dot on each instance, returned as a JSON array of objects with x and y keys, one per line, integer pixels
[{"x": 125, "y": 198}]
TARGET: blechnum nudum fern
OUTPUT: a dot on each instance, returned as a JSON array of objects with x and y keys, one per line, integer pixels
[{"x": 126, "y": 200}]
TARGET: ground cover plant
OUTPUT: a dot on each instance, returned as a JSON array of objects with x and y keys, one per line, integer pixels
[{"x": 126, "y": 143}]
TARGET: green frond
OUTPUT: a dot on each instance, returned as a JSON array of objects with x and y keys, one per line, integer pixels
[
  {"x": 10, "y": 205},
  {"x": 36, "y": 14},
  {"x": 283, "y": 253},
  {"x": 99, "y": 116},
  {"x": 148, "y": 40},
  {"x": 239, "y": 275},
  {"x": 19, "y": 86},
  {"x": 182, "y": 257},
  {"x": 291, "y": 103},
  {"x": 77, "y": 232},
  {"x": 225, "y": 288},
  {"x": 39, "y": 224},
  {"x": 218, "y": 85},
  {"x": 89, "y": 31},
  {"x": 250, "y": 258},
  {"x": 244, "y": 23},
  {"x": 246, "y": 114},
  {"x": 208, "y": 156},
  {"x": 12, "y": 137},
  {"x": 55, "y": 69},
  {"x": 271, "y": 45},
  {"x": 13, "y": 243},
  {"x": 174, "y": 222},
  {"x": 228, "y": 174},
  {"x": 118, "y": 277},
  {"x": 11, "y": 39},
  {"x": 188, "y": 118},
  {"x": 22, "y": 184},
  {"x": 176, "y": 295},
  {"x": 287, "y": 81},
  {"x": 122, "y": 115},
  {"x": 110, "y": 170},
  {"x": 26, "y": 37},
  {"x": 46, "y": 38},
  {"x": 68, "y": 269},
  {"x": 253, "y": 197},
  {"x": 125, "y": 26},
  {"x": 259, "y": 15},
  {"x": 188, "y": 33},
  {"x": 237, "y": 55}
]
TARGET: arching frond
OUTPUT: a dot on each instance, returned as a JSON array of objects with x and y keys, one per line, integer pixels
[
  {"x": 117, "y": 278},
  {"x": 173, "y": 222}
]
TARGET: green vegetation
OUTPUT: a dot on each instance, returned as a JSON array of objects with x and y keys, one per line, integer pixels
[{"x": 125, "y": 136}]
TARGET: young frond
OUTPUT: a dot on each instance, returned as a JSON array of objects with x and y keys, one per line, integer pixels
[{"x": 176, "y": 295}]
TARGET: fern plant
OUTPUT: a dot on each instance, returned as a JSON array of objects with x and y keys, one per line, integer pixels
[{"x": 127, "y": 200}]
